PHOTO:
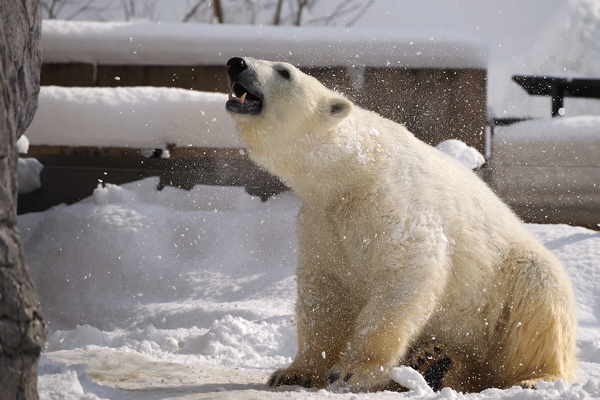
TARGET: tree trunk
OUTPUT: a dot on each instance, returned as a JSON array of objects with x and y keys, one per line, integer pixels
[
  {"x": 190, "y": 14},
  {"x": 301, "y": 5},
  {"x": 218, "y": 11},
  {"x": 278, "y": 9},
  {"x": 22, "y": 330}
]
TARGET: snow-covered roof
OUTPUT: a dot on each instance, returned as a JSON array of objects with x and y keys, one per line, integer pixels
[
  {"x": 154, "y": 43},
  {"x": 138, "y": 117}
]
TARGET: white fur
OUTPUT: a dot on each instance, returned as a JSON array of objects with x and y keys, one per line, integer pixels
[{"x": 401, "y": 245}]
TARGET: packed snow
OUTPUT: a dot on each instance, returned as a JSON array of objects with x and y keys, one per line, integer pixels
[
  {"x": 138, "y": 117},
  {"x": 467, "y": 155},
  {"x": 28, "y": 175},
  {"x": 155, "y": 43},
  {"x": 28, "y": 169},
  {"x": 411, "y": 379},
  {"x": 189, "y": 294}
]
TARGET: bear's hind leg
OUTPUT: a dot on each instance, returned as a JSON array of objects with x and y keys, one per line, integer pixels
[
  {"x": 536, "y": 334},
  {"x": 433, "y": 363},
  {"x": 442, "y": 368}
]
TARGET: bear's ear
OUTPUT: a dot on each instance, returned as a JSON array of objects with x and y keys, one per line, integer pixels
[{"x": 338, "y": 108}]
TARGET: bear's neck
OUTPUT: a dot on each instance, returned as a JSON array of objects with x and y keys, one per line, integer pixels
[
  {"x": 319, "y": 177},
  {"x": 323, "y": 165}
]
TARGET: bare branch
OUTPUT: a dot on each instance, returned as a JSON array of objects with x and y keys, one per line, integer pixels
[
  {"x": 277, "y": 12},
  {"x": 81, "y": 9},
  {"x": 130, "y": 10},
  {"x": 337, "y": 13},
  {"x": 301, "y": 5},
  {"x": 126, "y": 10},
  {"x": 218, "y": 11},
  {"x": 54, "y": 8},
  {"x": 193, "y": 11},
  {"x": 277, "y": 19},
  {"x": 344, "y": 8},
  {"x": 361, "y": 13}
]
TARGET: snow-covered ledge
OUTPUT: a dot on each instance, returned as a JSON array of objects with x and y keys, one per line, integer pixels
[
  {"x": 133, "y": 117},
  {"x": 549, "y": 169},
  {"x": 154, "y": 43}
]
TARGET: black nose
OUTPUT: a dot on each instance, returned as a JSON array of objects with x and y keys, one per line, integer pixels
[{"x": 236, "y": 65}]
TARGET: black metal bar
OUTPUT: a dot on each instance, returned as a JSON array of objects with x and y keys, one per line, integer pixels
[
  {"x": 558, "y": 88},
  {"x": 557, "y": 99},
  {"x": 69, "y": 179}
]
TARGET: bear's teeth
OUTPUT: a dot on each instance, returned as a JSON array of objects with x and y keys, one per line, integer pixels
[{"x": 243, "y": 98}]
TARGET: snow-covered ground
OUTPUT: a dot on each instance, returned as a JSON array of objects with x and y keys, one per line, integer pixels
[{"x": 176, "y": 294}]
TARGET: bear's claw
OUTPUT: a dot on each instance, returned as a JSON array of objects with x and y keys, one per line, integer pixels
[
  {"x": 530, "y": 384},
  {"x": 335, "y": 376},
  {"x": 290, "y": 379},
  {"x": 332, "y": 377}
]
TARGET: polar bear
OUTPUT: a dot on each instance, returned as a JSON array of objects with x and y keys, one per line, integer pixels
[{"x": 405, "y": 256}]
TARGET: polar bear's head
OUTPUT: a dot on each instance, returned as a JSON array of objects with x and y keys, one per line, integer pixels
[
  {"x": 275, "y": 96},
  {"x": 284, "y": 116}
]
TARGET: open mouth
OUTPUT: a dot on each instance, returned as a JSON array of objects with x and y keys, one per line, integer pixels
[{"x": 243, "y": 101}]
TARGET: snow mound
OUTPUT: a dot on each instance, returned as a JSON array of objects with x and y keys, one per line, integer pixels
[
  {"x": 23, "y": 144},
  {"x": 411, "y": 379},
  {"x": 63, "y": 382},
  {"x": 467, "y": 155},
  {"x": 28, "y": 175},
  {"x": 238, "y": 342}
]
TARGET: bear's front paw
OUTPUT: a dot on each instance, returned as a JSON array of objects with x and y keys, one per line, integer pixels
[
  {"x": 292, "y": 376},
  {"x": 530, "y": 384},
  {"x": 432, "y": 362},
  {"x": 360, "y": 378}
]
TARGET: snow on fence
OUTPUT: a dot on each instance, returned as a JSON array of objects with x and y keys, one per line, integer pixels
[
  {"x": 134, "y": 117},
  {"x": 434, "y": 83},
  {"x": 117, "y": 90}
]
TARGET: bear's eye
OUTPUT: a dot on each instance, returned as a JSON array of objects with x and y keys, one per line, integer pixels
[{"x": 284, "y": 73}]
